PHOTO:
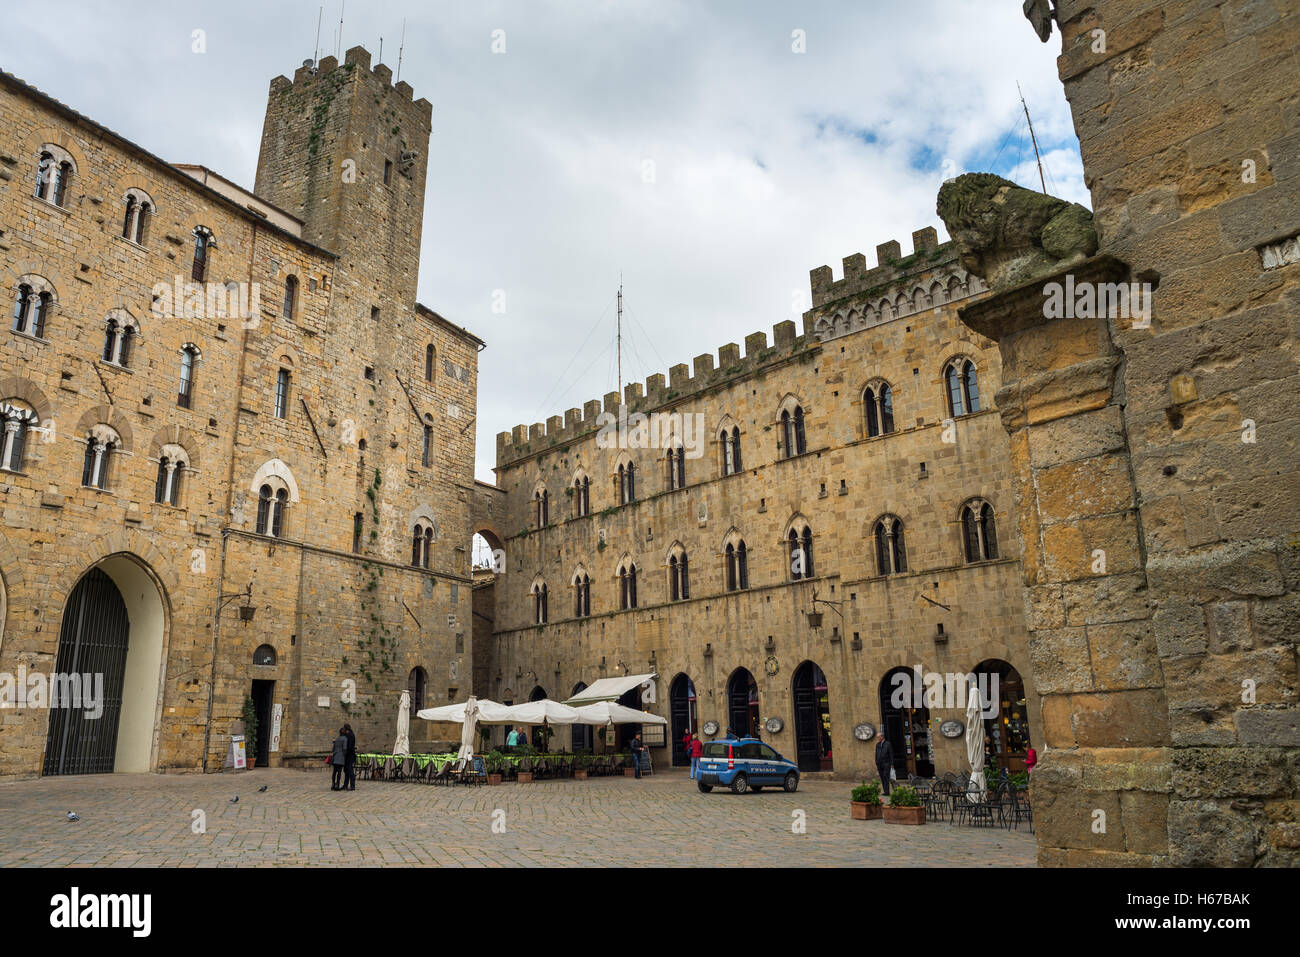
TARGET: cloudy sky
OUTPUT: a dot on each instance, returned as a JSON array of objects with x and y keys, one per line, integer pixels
[{"x": 685, "y": 146}]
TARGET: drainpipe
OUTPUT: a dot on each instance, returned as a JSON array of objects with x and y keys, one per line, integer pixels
[{"x": 230, "y": 492}]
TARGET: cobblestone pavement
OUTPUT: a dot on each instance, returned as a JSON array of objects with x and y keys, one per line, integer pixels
[{"x": 145, "y": 821}]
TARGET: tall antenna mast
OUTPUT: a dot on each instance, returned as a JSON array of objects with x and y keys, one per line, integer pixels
[
  {"x": 1032, "y": 138},
  {"x": 381, "y": 50},
  {"x": 620, "y": 338},
  {"x": 338, "y": 43},
  {"x": 316, "y": 52},
  {"x": 399, "y": 51}
]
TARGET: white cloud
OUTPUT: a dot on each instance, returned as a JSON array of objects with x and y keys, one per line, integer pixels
[{"x": 767, "y": 163}]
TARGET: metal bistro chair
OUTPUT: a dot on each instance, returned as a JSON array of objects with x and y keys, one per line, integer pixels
[
  {"x": 479, "y": 770},
  {"x": 442, "y": 775},
  {"x": 973, "y": 812}
]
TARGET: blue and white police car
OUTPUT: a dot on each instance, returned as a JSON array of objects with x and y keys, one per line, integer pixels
[{"x": 745, "y": 764}]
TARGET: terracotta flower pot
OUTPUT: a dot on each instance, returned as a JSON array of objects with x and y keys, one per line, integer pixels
[
  {"x": 629, "y": 772},
  {"x": 862, "y": 811},
  {"x": 493, "y": 778},
  {"x": 525, "y": 777},
  {"x": 579, "y": 774},
  {"x": 904, "y": 815}
]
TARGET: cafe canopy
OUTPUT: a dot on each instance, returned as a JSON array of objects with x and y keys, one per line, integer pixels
[
  {"x": 609, "y": 689},
  {"x": 545, "y": 711},
  {"x": 610, "y": 712}
]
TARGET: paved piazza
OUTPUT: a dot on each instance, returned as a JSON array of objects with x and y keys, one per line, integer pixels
[{"x": 145, "y": 821}]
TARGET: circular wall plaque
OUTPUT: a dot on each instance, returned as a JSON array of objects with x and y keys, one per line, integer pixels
[
  {"x": 773, "y": 725},
  {"x": 952, "y": 729},
  {"x": 710, "y": 727},
  {"x": 864, "y": 732},
  {"x": 771, "y": 666}
]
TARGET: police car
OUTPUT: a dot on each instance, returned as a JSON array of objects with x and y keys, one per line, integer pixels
[{"x": 745, "y": 764}]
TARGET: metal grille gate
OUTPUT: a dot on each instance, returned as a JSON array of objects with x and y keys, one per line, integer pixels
[{"x": 92, "y": 640}]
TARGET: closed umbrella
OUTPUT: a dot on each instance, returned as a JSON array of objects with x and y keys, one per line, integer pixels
[
  {"x": 975, "y": 743},
  {"x": 466, "y": 751},
  {"x": 403, "y": 746}
]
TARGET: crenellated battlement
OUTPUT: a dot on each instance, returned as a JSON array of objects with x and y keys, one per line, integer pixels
[
  {"x": 355, "y": 59},
  {"x": 931, "y": 276},
  {"x": 682, "y": 383}
]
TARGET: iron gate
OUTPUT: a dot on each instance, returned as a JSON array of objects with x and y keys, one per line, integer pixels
[{"x": 92, "y": 641}]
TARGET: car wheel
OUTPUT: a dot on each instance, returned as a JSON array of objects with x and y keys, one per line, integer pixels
[
  {"x": 739, "y": 784},
  {"x": 705, "y": 788},
  {"x": 791, "y": 781}
]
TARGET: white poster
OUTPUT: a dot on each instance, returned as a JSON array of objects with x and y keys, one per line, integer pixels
[
  {"x": 277, "y": 710},
  {"x": 237, "y": 756}
]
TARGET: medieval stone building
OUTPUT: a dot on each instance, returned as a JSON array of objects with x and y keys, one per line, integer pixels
[
  {"x": 237, "y": 456},
  {"x": 856, "y": 472}
]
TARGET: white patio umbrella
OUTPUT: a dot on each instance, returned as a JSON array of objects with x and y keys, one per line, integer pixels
[
  {"x": 403, "y": 745},
  {"x": 544, "y": 711},
  {"x": 610, "y": 712},
  {"x": 975, "y": 744},
  {"x": 466, "y": 751}
]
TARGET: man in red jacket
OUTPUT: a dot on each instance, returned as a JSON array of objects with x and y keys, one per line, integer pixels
[{"x": 696, "y": 750}]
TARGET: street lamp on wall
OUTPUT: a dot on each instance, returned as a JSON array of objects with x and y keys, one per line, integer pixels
[
  {"x": 815, "y": 616},
  {"x": 247, "y": 610}
]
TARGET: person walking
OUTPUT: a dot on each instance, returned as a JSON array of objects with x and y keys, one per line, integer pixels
[
  {"x": 350, "y": 760},
  {"x": 697, "y": 751},
  {"x": 338, "y": 757},
  {"x": 884, "y": 760},
  {"x": 637, "y": 746},
  {"x": 686, "y": 743},
  {"x": 1031, "y": 759}
]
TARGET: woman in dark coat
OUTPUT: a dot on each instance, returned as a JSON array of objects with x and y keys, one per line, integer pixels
[
  {"x": 338, "y": 758},
  {"x": 350, "y": 761}
]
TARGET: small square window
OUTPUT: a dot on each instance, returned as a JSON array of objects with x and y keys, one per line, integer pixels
[
  {"x": 374, "y": 312},
  {"x": 370, "y": 373},
  {"x": 388, "y": 172}
]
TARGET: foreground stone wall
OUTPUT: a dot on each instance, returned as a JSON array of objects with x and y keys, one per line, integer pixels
[{"x": 1172, "y": 446}]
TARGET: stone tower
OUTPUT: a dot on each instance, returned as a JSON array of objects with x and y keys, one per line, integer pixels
[{"x": 346, "y": 151}]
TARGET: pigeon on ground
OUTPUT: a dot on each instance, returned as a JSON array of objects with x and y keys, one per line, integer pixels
[
  {"x": 235, "y": 799},
  {"x": 72, "y": 816},
  {"x": 261, "y": 789}
]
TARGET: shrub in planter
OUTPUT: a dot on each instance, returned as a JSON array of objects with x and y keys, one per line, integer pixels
[
  {"x": 864, "y": 804},
  {"x": 904, "y": 807}
]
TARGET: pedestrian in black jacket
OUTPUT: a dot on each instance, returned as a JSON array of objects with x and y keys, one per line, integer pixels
[
  {"x": 884, "y": 760},
  {"x": 350, "y": 761}
]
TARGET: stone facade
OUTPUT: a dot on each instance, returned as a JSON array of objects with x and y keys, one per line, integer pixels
[
  {"x": 358, "y": 405},
  {"x": 894, "y": 323},
  {"x": 1157, "y": 451}
]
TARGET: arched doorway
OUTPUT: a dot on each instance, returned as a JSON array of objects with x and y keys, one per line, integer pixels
[
  {"x": 742, "y": 703},
  {"x": 812, "y": 718},
  {"x": 537, "y": 733},
  {"x": 907, "y": 723},
  {"x": 682, "y": 715},
  {"x": 582, "y": 733},
  {"x": 113, "y": 626},
  {"x": 1006, "y": 734}
]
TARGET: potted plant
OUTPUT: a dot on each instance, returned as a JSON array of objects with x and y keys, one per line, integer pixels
[
  {"x": 580, "y": 764},
  {"x": 495, "y": 769},
  {"x": 864, "y": 803},
  {"x": 249, "y": 715},
  {"x": 904, "y": 807}
]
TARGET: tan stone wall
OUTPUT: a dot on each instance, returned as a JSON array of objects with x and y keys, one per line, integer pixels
[
  {"x": 1169, "y": 676},
  {"x": 310, "y": 589},
  {"x": 843, "y": 483}
]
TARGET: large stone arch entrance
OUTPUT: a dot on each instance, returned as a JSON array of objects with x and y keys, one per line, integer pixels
[{"x": 112, "y": 632}]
